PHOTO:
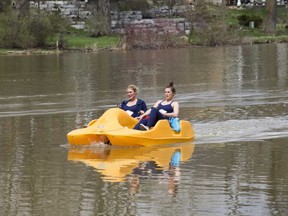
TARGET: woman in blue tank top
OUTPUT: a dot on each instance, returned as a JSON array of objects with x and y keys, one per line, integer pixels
[
  {"x": 162, "y": 109},
  {"x": 133, "y": 106}
]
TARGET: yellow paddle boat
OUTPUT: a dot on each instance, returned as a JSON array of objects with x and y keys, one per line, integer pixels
[
  {"x": 115, "y": 127},
  {"x": 114, "y": 164}
]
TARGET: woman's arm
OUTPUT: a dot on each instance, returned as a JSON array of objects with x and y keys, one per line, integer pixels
[
  {"x": 144, "y": 114},
  {"x": 121, "y": 105},
  {"x": 157, "y": 103},
  {"x": 143, "y": 108},
  {"x": 149, "y": 110}
]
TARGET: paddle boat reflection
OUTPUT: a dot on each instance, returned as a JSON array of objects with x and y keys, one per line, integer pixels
[{"x": 121, "y": 164}]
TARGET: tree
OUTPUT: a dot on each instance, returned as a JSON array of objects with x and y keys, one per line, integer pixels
[
  {"x": 208, "y": 26},
  {"x": 102, "y": 15},
  {"x": 171, "y": 4},
  {"x": 271, "y": 18},
  {"x": 198, "y": 14}
]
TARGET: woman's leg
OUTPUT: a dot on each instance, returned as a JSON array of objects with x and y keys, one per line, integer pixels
[
  {"x": 154, "y": 116},
  {"x": 142, "y": 121}
]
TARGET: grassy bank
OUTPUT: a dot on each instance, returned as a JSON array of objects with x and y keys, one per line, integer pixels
[
  {"x": 257, "y": 34},
  {"x": 270, "y": 39},
  {"x": 73, "y": 43},
  {"x": 231, "y": 26}
]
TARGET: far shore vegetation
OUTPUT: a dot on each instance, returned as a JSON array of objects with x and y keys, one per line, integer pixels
[{"x": 39, "y": 32}]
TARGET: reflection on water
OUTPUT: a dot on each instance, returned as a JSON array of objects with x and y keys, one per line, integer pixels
[
  {"x": 115, "y": 164},
  {"x": 235, "y": 97}
]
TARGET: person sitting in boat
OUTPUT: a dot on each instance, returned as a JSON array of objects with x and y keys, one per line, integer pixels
[
  {"x": 162, "y": 109},
  {"x": 133, "y": 106}
]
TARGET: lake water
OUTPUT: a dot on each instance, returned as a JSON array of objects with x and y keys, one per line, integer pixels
[{"x": 235, "y": 97}]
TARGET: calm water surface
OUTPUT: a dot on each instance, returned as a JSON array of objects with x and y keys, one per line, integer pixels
[{"x": 235, "y": 97}]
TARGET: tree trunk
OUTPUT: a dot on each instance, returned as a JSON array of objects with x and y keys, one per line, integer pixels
[
  {"x": 38, "y": 6},
  {"x": 21, "y": 6},
  {"x": 287, "y": 15},
  {"x": 103, "y": 7},
  {"x": 271, "y": 18}
]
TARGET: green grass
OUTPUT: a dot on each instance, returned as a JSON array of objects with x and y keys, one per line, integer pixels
[
  {"x": 232, "y": 14},
  {"x": 79, "y": 42},
  {"x": 4, "y": 50},
  {"x": 7, "y": 51},
  {"x": 270, "y": 39}
]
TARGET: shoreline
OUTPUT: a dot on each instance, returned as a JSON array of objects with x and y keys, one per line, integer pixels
[
  {"x": 16, "y": 52},
  {"x": 39, "y": 51}
]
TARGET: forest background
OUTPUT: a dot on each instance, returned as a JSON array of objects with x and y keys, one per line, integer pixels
[{"x": 26, "y": 28}]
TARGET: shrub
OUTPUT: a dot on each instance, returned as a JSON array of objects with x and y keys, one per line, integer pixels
[
  {"x": 29, "y": 31},
  {"x": 217, "y": 35},
  {"x": 127, "y": 5},
  {"x": 245, "y": 20},
  {"x": 4, "y": 5},
  {"x": 40, "y": 28},
  {"x": 13, "y": 33},
  {"x": 146, "y": 38}
]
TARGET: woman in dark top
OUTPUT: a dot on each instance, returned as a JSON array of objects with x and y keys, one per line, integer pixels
[
  {"x": 133, "y": 106},
  {"x": 162, "y": 109}
]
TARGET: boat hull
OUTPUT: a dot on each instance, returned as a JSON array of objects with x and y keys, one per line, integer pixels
[{"x": 115, "y": 127}]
